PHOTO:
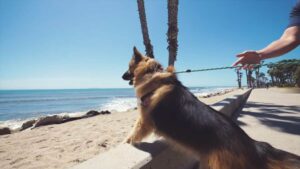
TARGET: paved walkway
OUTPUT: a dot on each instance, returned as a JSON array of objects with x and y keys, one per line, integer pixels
[{"x": 273, "y": 117}]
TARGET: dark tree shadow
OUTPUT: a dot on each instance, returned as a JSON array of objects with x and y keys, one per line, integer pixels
[{"x": 279, "y": 117}]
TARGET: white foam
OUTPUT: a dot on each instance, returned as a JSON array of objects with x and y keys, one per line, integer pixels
[
  {"x": 17, "y": 123},
  {"x": 120, "y": 104},
  {"x": 124, "y": 104},
  {"x": 73, "y": 114},
  {"x": 203, "y": 92},
  {"x": 12, "y": 124}
]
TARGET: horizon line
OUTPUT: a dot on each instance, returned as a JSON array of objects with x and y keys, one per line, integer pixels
[{"x": 103, "y": 88}]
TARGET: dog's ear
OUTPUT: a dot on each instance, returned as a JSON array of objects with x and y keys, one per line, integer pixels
[
  {"x": 170, "y": 69},
  {"x": 137, "y": 55}
]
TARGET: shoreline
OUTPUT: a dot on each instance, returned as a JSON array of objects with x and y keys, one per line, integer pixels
[
  {"x": 31, "y": 123},
  {"x": 18, "y": 125}
]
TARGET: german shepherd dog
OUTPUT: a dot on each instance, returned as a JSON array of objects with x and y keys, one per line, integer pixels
[{"x": 169, "y": 109}]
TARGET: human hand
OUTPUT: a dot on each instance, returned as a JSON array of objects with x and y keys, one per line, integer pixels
[{"x": 247, "y": 58}]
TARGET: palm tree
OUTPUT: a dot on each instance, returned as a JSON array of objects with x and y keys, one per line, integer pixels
[
  {"x": 251, "y": 79},
  {"x": 142, "y": 15},
  {"x": 239, "y": 77},
  {"x": 172, "y": 30},
  {"x": 247, "y": 77},
  {"x": 282, "y": 72},
  {"x": 271, "y": 73},
  {"x": 256, "y": 68},
  {"x": 262, "y": 79}
]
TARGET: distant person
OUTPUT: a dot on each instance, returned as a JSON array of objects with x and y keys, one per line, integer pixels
[{"x": 289, "y": 40}]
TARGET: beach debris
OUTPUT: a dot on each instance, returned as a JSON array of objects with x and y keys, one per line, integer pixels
[
  {"x": 105, "y": 112},
  {"x": 70, "y": 118},
  {"x": 55, "y": 119},
  {"x": 4, "y": 130},
  {"x": 218, "y": 93},
  {"x": 28, "y": 124},
  {"x": 92, "y": 113}
]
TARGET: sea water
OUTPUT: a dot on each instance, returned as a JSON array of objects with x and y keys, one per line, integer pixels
[{"x": 19, "y": 105}]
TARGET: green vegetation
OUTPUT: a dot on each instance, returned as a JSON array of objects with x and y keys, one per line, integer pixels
[{"x": 285, "y": 73}]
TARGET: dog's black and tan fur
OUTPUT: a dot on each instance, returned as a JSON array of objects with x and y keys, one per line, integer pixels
[{"x": 170, "y": 110}]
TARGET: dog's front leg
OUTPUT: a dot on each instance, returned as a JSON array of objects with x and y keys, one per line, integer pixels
[{"x": 140, "y": 130}]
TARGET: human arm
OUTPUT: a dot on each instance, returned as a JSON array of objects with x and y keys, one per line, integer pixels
[{"x": 289, "y": 40}]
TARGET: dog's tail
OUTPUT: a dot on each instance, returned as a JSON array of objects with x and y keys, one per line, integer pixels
[
  {"x": 170, "y": 69},
  {"x": 277, "y": 159}
]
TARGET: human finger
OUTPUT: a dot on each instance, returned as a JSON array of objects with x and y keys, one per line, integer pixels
[
  {"x": 250, "y": 67},
  {"x": 245, "y": 66},
  {"x": 241, "y": 54},
  {"x": 239, "y": 61}
]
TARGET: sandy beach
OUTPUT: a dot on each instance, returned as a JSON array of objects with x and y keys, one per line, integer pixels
[{"x": 65, "y": 145}]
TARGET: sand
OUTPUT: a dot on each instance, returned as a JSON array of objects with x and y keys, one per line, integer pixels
[{"x": 65, "y": 145}]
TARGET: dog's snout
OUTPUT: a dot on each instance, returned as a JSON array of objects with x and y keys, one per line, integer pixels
[{"x": 127, "y": 76}]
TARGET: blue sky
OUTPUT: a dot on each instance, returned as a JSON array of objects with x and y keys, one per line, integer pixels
[{"x": 46, "y": 44}]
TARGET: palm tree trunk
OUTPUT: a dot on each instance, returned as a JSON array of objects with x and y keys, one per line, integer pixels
[
  {"x": 272, "y": 80},
  {"x": 247, "y": 78},
  {"x": 172, "y": 30},
  {"x": 147, "y": 42},
  {"x": 250, "y": 78},
  {"x": 257, "y": 73},
  {"x": 257, "y": 78},
  {"x": 238, "y": 73}
]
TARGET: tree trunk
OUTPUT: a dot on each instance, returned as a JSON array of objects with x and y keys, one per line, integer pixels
[
  {"x": 250, "y": 78},
  {"x": 272, "y": 80},
  {"x": 240, "y": 76},
  {"x": 172, "y": 30},
  {"x": 247, "y": 78},
  {"x": 258, "y": 79},
  {"x": 143, "y": 21},
  {"x": 238, "y": 73}
]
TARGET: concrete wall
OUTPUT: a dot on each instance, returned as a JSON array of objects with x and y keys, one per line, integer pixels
[{"x": 155, "y": 153}]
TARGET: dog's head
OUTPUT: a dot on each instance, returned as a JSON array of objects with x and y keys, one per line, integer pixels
[{"x": 141, "y": 65}]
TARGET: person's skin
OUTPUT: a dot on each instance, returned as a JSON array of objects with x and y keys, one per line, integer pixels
[{"x": 289, "y": 40}]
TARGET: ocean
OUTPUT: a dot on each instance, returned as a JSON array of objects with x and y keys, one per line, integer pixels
[{"x": 20, "y": 105}]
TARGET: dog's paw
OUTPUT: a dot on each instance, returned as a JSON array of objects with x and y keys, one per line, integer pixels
[
  {"x": 128, "y": 140},
  {"x": 131, "y": 140}
]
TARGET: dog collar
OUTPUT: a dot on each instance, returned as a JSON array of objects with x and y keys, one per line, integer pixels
[{"x": 145, "y": 99}]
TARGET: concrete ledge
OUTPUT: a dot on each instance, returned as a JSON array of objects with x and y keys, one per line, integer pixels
[
  {"x": 125, "y": 156},
  {"x": 155, "y": 153}
]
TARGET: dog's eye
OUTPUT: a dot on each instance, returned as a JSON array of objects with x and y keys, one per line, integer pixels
[{"x": 146, "y": 60}]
